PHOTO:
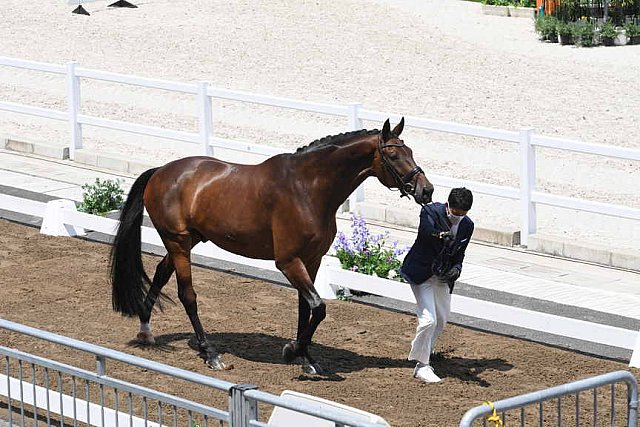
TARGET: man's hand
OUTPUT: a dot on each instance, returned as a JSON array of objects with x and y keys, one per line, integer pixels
[
  {"x": 446, "y": 235},
  {"x": 452, "y": 275}
]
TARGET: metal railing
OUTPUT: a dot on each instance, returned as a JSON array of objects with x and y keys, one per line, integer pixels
[
  {"x": 354, "y": 114},
  {"x": 572, "y": 413},
  {"x": 42, "y": 390}
]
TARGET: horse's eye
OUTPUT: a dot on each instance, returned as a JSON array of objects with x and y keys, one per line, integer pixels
[{"x": 393, "y": 156}]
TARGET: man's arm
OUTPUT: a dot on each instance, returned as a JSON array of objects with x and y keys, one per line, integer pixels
[
  {"x": 427, "y": 224},
  {"x": 459, "y": 255}
]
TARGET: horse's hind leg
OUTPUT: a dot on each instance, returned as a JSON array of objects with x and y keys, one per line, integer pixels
[
  {"x": 164, "y": 270},
  {"x": 180, "y": 252}
]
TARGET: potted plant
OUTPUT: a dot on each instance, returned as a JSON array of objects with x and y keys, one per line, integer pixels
[
  {"x": 583, "y": 33},
  {"x": 546, "y": 28},
  {"x": 565, "y": 33},
  {"x": 101, "y": 197},
  {"x": 608, "y": 33},
  {"x": 367, "y": 253},
  {"x": 633, "y": 32}
]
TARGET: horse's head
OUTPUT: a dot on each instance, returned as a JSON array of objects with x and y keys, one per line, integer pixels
[{"x": 395, "y": 167}]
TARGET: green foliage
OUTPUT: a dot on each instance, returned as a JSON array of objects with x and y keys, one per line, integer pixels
[
  {"x": 367, "y": 253},
  {"x": 546, "y": 27},
  {"x": 497, "y": 2},
  {"x": 518, "y": 3},
  {"x": 101, "y": 197},
  {"x": 608, "y": 30},
  {"x": 632, "y": 29},
  {"x": 564, "y": 29},
  {"x": 583, "y": 32}
]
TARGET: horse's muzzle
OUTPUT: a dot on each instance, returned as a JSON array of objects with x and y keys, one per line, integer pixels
[{"x": 424, "y": 195}]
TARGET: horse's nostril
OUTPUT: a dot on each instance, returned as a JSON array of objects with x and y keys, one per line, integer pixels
[{"x": 427, "y": 192}]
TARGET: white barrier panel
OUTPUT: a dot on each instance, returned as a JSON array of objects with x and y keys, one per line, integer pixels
[
  {"x": 76, "y": 409},
  {"x": 54, "y": 223},
  {"x": 23, "y": 206},
  {"x": 283, "y": 417}
]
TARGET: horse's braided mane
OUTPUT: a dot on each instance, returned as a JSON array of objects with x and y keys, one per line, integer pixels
[{"x": 336, "y": 139}]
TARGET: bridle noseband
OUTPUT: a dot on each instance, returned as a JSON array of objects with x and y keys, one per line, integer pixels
[{"x": 403, "y": 182}]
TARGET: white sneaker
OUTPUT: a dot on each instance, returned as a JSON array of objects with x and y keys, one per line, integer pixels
[{"x": 425, "y": 373}]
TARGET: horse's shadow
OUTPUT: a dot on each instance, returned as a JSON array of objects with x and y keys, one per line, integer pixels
[{"x": 265, "y": 348}]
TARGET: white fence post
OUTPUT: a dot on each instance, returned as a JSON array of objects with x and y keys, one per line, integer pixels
[
  {"x": 206, "y": 119},
  {"x": 73, "y": 106},
  {"x": 528, "y": 220},
  {"x": 355, "y": 123},
  {"x": 53, "y": 222}
]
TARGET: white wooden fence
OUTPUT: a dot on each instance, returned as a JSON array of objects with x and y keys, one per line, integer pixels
[
  {"x": 60, "y": 218},
  {"x": 353, "y": 114}
]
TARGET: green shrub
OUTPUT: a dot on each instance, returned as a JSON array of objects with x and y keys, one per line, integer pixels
[
  {"x": 546, "y": 27},
  {"x": 608, "y": 30},
  {"x": 632, "y": 29},
  {"x": 583, "y": 33},
  {"x": 101, "y": 197}
]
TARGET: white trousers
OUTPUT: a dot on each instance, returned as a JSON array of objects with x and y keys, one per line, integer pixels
[{"x": 433, "y": 308}]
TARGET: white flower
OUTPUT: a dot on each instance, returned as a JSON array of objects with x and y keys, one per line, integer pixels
[{"x": 392, "y": 274}]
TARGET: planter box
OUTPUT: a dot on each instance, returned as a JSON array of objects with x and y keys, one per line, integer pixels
[
  {"x": 489, "y": 9},
  {"x": 522, "y": 12},
  {"x": 621, "y": 39},
  {"x": 331, "y": 276},
  {"x": 516, "y": 12}
]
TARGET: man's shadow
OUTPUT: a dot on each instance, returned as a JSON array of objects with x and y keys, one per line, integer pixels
[
  {"x": 467, "y": 370},
  {"x": 265, "y": 348}
]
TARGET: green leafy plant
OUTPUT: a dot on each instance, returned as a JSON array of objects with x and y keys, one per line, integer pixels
[
  {"x": 583, "y": 33},
  {"x": 608, "y": 30},
  {"x": 367, "y": 253},
  {"x": 565, "y": 32},
  {"x": 633, "y": 30},
  {"x": 101, "y": 197},
  {"x": 546, "y": 27},
  {"x": 497, "y": 2}
]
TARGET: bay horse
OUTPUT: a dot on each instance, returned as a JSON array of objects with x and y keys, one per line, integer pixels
[{"x": 283, "y": 209}]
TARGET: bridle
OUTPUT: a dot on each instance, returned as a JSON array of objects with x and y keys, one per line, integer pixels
[{"x": 404, "y": 183}]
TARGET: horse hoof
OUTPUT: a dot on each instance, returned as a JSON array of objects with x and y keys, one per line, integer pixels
[
  {"x": 217, "y": 364},
  {"x": 145, "y": 338},
  {"x": 312, "y": 369},
  {"x": 290, "y": 352}
]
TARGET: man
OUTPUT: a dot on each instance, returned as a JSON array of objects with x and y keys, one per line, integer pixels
[{"x": 432, "y": 266}]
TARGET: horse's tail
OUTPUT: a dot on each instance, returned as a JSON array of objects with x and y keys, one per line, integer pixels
[{"x": 129, "y": 281}]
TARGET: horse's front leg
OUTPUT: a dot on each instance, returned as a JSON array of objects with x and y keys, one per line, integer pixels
[
  {"x": 188, "y": 298},
  {"x": 311, "y": 311}
]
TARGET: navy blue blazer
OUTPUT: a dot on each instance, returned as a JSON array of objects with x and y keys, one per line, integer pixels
[{"x": 417, "y": 264}]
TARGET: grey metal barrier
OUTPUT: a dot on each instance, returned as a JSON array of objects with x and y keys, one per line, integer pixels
[
  {"x": 35, "y": 390},
  {"x": 567, "y": 404}
]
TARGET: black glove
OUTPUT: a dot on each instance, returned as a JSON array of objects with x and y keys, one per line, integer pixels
[{"x": 452, "y": 275}]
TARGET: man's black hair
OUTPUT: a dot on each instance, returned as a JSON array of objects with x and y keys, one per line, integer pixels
[{"x": 460, "y": 198}]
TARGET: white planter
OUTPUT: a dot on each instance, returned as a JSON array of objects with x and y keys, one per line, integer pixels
[
  {"x": 490, "y": 9},
  {"x": 335, "y": 276},
  {"x": 621, "y": 39},
  {"x": 522, "y": 12}
]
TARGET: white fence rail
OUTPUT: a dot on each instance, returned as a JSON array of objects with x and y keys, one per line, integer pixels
[
  {"x": 62, "y": 219},
  {"x": 353, "y": 113}
]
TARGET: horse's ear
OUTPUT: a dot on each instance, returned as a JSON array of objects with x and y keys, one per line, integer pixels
[
  {"x": 398, "y": 129},
  {"x": 386, "y": 131}
]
